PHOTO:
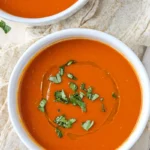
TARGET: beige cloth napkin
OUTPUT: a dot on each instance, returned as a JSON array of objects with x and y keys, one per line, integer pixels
[{"x": 128, "y": 20}]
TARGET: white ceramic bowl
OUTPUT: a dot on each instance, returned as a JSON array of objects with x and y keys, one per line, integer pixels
[
  {"x": 46, "y": 20},
  {"x": 79, "y": 33}
]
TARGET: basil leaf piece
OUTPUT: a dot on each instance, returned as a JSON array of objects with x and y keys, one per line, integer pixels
[
  {"x": 76, "y": 100},
  {"x": 73, "y": 86},
  {"x": 70, "y": 62},
  {"x": 72, "y": 120},
  {"x": 82, "y": 87},
  {"x": 87, "y": 125},
  {"x": 42, "y": 104},
  {"x": 94, "y": 97},
  {"x": 71, "y": 76},
  {"x": 63, "y": 122},
  {"x": 58, "y": 132},
  {"x": 61, "y": 70},
  {"x": 114, "y": 95},
  {"x": 63, "y": 94},
  {"x": 60, "y": 96},
  {"x": 4, "y": 26},
  {"x": 53, "y": 79},
  {"x": 56, "y": 79},
  {"x": 82, "y": 105},
  {"x": 89, "y": 95},
  {"x": 82, "y": 95},
  {"x": 89, "y": 90}
]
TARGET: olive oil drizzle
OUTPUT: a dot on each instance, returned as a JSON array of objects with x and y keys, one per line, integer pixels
[{"x": 45, "y": 88}]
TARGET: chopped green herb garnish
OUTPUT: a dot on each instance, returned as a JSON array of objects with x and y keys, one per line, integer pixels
[
  {"x": 55, "y": 79},
  {"x": 82, "y": 105},
  {"x": 63, "y": 122},
  {"x": 58, "y": 132},
  {"x": 75, "y": 99},
  {"x": 72, "y": 120},
  {"x": 73, "y": 86},
  {"x": 90, "y": 95},
  {"x": 58, "y": 77},
  {"x": 94, "y": 97},
  {"x": 89, "y": 90},
  {"x": 42, "y": 104},
  {"x": 71, "y": 76},
  {"x": 87, "y": 125},
  {"x": 70, "y": 62},
  {"x": 82, "y": 95},
  {"x": 61, "y": 71},
  {"x": 82, "y": 86},
  {"x": 60, "y": 96},
  {"x": 4, "y": 26},
  {"x": 103, "y": 108},
  {"x": 63, "y": 95},
  {"x": 114, "y": 95}
]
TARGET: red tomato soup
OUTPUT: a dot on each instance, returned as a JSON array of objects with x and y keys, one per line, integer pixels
[
  {"x": 79, "y": 94},
  {"x": 34, "y": 8}
]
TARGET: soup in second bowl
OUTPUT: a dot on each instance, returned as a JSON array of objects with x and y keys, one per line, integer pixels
[
  {"x": 79, "y": 94},
  {"x": 35, "y": 8}
]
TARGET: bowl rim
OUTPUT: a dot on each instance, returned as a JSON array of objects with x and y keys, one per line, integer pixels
[
  {"x": 46, "y": 20},
  {"x": 93, "y": 35}
]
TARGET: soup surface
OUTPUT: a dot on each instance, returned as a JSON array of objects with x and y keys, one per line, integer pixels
[
  {"x": 34, "y": 8},
  {"x": 60, "y": 112}
]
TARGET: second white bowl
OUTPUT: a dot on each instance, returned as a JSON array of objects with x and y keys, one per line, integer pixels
[{"x": 46, "y": 20}]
